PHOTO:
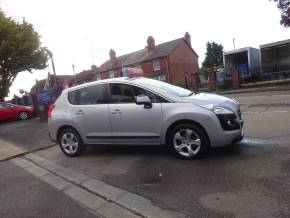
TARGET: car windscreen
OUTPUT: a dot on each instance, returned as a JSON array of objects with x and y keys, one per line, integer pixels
[{"x": 164, "y": 87}]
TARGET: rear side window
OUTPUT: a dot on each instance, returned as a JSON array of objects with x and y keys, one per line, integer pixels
[{"x": 88, "y": 96}]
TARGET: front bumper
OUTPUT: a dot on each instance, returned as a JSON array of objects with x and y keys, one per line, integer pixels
[{"x": 221, "y": 137}]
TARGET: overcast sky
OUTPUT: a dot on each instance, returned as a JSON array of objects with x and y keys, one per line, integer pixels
[{"x": 68, "y": 28}]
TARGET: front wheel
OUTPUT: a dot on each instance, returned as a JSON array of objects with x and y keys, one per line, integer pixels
[
  {"x": 71, "y": 143},
  {"x": 23, "y": 115},
  {"x": 188, "y": 141}
]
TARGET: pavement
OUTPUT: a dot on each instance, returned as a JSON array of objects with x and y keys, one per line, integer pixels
[
  {"x": 274, "y": 88},
  {"x": 24, "y": 195},
  {"x": 248, "y": 179}
]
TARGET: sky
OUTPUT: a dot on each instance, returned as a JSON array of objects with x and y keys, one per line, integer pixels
[{"x": 72, "y": 28}]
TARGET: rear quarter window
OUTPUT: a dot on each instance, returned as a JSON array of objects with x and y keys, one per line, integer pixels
[{"x": 73, "y": 97}]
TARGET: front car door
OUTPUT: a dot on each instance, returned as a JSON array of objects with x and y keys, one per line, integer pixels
[
  {"x": 132, "y": 123},
  {"x": 89, "y": 108},
  {"x": 7, "y": 112}
]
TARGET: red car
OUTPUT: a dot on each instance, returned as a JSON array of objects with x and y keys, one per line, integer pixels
[{"x": 11, "y": 111}]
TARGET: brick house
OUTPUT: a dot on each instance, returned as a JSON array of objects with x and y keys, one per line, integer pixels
[{"x": 174, "y": 61}]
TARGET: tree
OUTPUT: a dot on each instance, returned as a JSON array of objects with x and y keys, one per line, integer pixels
[
  {"x": 20, "y": 50},
  {"x": 213, "y": 56},
  {"x": 284, "y": 6}
]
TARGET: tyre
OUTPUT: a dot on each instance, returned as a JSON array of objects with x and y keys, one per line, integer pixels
[
  {"x": 23, "y": 115},
  {"x": 71, "y": 143},
  {"x": 188, "y": 141}
]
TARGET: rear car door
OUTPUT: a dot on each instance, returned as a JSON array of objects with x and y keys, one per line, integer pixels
[
  {"x": 89, "y": 107},
  {"x": 132, "y": 123}
]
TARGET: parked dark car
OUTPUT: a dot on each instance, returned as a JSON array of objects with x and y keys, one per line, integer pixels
[{"x": 11, "y": 111}]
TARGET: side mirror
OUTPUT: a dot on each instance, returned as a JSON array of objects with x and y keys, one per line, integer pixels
[{"x": 143, "y": 100}]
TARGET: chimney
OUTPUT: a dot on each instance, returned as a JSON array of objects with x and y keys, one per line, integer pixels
[
  {"x": 113, "y": 57},
  {"x": 187, "y": 38},
  {"x": 150, "y": 44}
]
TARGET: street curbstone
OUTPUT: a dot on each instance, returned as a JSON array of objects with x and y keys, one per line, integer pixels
[
  {"x": 72, "y": 176},
  {"x": 107, "y": 191},
  {"x": 37, "y": 171},
  {"x": 21, "y": 162},
  {"x": 146, "y": 208},
  {"x": 84, "y": 197},
  {"x": 56, "y": 182},
  {"x": 35, "y": 158},
  {"x": 51, "y": 166},
  {"x": 110, "y": 210}
]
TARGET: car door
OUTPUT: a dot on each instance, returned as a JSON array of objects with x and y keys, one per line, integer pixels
[
  {"x": 89, "y": 111},
  {"x": 7, "y": 112},
  {"x": 132, "y": 123}
]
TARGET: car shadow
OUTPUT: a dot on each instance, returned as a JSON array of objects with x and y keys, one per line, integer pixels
[{"x": 159, "y": 151}]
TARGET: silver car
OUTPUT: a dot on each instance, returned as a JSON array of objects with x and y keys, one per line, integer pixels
[{"x": 141, "y": 111}]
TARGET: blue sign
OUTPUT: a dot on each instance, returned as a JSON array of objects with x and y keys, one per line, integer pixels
[
  {"x": 243, "y": 69},
  {"x": 47, "y": 97}
]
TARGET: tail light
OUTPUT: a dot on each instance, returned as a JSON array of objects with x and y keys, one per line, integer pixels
[{"x": 50, "y": 109}]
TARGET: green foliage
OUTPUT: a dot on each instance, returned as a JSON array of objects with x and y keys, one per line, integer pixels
[
  {"x": 203, "y": 71},
  {"x": 20, "y": 50},
  {"x": 213, "y": 55},
  {"x": 284, "y": 6}
]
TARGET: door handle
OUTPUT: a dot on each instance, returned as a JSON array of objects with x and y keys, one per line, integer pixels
[
  {"x": 80, "y": 112},
  {"x": 117, "y": 112}
]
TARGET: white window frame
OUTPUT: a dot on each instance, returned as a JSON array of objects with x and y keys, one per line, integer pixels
[
  {"x": 112, "y": 74},
  {"x": 156, "y": 64}
]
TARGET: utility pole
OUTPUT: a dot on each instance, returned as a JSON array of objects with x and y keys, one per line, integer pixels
[
  {"x": 73, "y": 66},
  {"x": 52, "y": 62},
  {"x": 234, "y": 42}
]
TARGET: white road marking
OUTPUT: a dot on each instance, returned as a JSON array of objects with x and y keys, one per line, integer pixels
[
  {"x": 263, "y": 112},
  {"x": 259, "y": 96}
]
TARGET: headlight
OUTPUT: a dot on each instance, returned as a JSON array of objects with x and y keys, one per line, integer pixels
[
  {"x": 222, "y": 110},
  {"x": 207, "y": 106}
]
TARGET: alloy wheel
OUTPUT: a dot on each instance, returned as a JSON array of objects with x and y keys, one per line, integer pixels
[
  {"x": 23, "y": 115},
  {"x": 69, "y": 143},
  {"x": 187, "y": 142}
]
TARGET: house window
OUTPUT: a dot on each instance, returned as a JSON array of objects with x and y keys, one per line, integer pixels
[
  {"x": 156, "y": 64},
  {"x": 98, "y": 77},
  {"x": 159, "y": 77},
  {"x": 111, "y": 73}
]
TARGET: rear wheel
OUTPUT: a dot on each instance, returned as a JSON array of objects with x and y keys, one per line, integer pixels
[
  {"x": 188, "y": 141},
  {"x": 71, "y": 143},
  {"x": 23, "y": 115}
]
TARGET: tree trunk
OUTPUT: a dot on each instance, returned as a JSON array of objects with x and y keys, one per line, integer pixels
[{"x": 4, "y": 87}]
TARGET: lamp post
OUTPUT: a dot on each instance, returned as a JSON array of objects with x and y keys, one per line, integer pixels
[
  {"x": 52, "y": 62},
  {"x": 92, "y": 53}
]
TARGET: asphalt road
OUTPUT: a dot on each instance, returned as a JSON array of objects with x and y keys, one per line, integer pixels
[
  {"x": 26, "y": 134},
  {"x": 249, "y": 179}
]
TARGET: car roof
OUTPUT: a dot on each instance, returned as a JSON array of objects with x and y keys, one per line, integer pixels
[
  {"x": 118, "y": 79},
  {"x": 128, "y": 80}
]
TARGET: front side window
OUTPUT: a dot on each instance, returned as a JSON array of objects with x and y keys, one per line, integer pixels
[
  {"x": 156, "y": 64},
  {"x": 123, "y": 93},
  {"x": 88, "y": 96},
  {"x": 164, "y": 87}
]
